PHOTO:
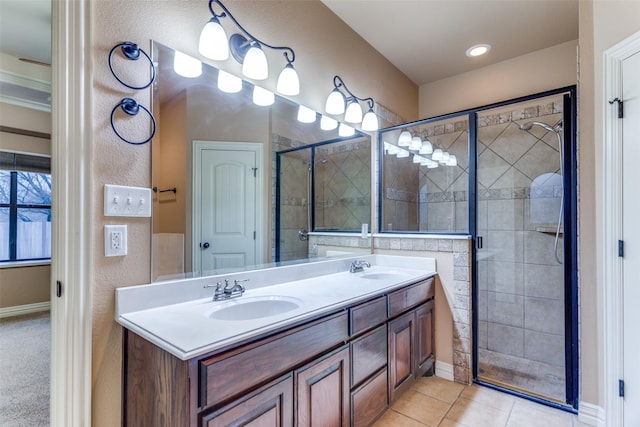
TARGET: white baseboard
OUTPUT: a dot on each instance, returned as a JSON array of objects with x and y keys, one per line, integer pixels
[
  {"x": 19, "y": 310},
  {"x": 591, "y": 414},
  {"x": 444, "y": 370}
]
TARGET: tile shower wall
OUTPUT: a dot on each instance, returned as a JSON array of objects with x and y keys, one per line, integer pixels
[{"x": 521, "y": 285}]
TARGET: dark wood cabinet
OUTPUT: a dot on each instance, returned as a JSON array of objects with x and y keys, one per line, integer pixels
[
  {"x": 424, "y": 339},
  {"x": 322, "y": 392},
  {"x": 270, "y": 406},
  {"x": 401, "y": 354}
]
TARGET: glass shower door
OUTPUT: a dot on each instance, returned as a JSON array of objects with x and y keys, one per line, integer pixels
[{"x": 520, "y": 258}]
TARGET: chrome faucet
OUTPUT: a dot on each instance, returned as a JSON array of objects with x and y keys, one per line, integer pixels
[
  {"x": 228, "y": 291},
  {"x": 358, "y": 265}
]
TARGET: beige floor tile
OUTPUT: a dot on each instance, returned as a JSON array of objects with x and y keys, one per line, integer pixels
[
  {"x": 422, "y": 408},
  {"x": 444, "y": 390},
  {"x": 472, "y": 413},
  {"x": 530, "y": 414},
  {"x": 393, "y": 419},
  {"x": 449, "y": 423},
  {"x": 489, "y": 397}
]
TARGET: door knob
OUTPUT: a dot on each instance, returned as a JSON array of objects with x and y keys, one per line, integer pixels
[{"x": 204, "y": 245}]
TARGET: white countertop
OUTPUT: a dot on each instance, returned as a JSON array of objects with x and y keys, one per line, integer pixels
[{"x": 175, "y": 315}]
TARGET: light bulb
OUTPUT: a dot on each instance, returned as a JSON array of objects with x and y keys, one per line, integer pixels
[
  {"x": 335, "y": 102},
  {"x": 288, "y": 81},
  {"x": 254, "y": 65},
  {"x": 370, "y": 121},
  {"x": 186, "y": 66},
  {"x": 213, "y": 41},
  {"x": 353, "y": 113},
  {"x": 306, "y": 115},
  {"x": 262, "y": 97},
  {"x": 415, "y": 144},
  {"x": 437, "y": 154},
  {"x": 426, "y": 148},
  {"x": 345, "y": 130},
  {"x": 228, "y": 82},
  {"x": 327, "y": 123},
  {"x": 405, "y": 139}
]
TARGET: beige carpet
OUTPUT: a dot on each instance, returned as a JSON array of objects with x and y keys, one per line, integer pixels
[{"x": 25, "y": 353}]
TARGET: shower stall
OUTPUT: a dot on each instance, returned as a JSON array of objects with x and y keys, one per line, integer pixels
[{"x": 525, "y": 303}]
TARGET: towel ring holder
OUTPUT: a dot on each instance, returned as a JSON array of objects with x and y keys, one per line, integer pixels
[
  {"x": 131, "y": 107},
  {"x": 131, "y": 51}
]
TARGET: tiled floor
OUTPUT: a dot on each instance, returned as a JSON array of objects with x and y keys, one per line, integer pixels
[{"x": 435, "y": 402}]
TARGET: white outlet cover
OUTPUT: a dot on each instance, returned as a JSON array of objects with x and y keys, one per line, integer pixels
[
  {"x": 120, "y": 200},
  {"x": 115, "y": 240}
]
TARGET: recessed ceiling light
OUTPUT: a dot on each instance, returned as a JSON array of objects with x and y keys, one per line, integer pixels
[{"x": 479, "y": 49}]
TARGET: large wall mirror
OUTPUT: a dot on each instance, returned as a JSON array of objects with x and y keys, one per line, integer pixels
[{"x": 238, "y": 185}]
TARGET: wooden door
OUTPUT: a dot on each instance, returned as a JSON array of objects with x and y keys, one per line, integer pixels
[
  {"x": 401, "y": 354},
  {"x": 424, "y": 338},
  {"x": 270, "y": 406},
  {"x": 322, "y": 392}
]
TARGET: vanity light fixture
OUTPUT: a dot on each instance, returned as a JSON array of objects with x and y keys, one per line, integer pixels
[
  {"x": 405, "y": 139},
  {"x": 186, "y": 66},
  {"x": 306, "y": 115},
  {"x": 228, "y": 82},
  {"x": 426, "y": 148},
  {"x": 327, "y": 123},
  {"x": 345, "y": 130},
  {"x": 402, "y": 154},
  {"x": 477, "y": 50},
  {"x": 416, "y": 143},
  {"x": 262, "y": 96},
  {"x": 437, "y": 155},
  {"x": 336, "y": 105},
  {"x": 247, "y": 50}
]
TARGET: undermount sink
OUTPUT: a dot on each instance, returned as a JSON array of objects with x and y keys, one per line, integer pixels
[
  {"x": 253, "y": 308},
  {"x": 384, "y": 275}
]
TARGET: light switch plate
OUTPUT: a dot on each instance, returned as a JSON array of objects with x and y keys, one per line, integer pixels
[{"x": 127, "y": 201}]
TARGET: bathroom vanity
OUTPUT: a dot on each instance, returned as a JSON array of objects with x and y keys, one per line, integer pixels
[{"x": 352, "y": 344}]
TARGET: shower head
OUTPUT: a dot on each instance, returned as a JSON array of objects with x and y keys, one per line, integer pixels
[{"x": 527, "y": 126}]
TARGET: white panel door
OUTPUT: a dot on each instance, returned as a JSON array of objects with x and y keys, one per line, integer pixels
[
  {"x": 631, "y": 236},
  {"x": 228, "y": 209}
]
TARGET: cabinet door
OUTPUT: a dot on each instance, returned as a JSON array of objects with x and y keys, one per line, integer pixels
[
  {"x": 424, "y": 338},
  {"x": 401, "y": 354},
  {"x": 322, "y": 392},
  {"x": 269, "y": 406}
]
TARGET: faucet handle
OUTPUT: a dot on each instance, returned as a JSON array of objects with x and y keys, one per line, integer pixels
[{"x": 237, "y": 282}]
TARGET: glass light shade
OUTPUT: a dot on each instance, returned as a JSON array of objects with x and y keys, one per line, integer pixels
[
  {"x": 370, "y": 121},
  {"x": 437, "y": 154},
  {"x": 402, "y": 154},
  {"x": 213, "y": 41},
  {"x": 288, "y": 81},
  {"x": 335, "y": 102},
  {"x": 452, "y": 161},
  {"x": 418, "y": 159},
  {"x": 228, "y": 82},
  {"x": 327, "y": 123},
  {"x": 432, "y": 165},
  {"x": 445, "y": 158},
  {"x": 263, "y": 97},
  {"x": 405, "y": 139},
  {"x": 254, "y": 65},
  {"x": 353, "y": 113},
  {"x": 346, "y": 130},
  {"x": 426, "y": 148},
  {"x": 186, "y": 66},
  {"x": 393, "y": 150},
  {"x": 415, "y": 144},
  {"x": 306, "y": 115}
]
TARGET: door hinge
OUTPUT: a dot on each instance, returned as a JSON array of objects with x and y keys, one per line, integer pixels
[
  {"x": 255, "y": 172},
  {"x": 58, "y": 288},
  {"x": 254, "y": 235},
  {"x": 621, "y": 388},
  {"x": 620, "y": 107},
  {"x": 621, "y": 248}
]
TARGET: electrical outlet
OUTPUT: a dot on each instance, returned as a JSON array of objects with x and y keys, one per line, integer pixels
[{"x": 115, "y": 240}]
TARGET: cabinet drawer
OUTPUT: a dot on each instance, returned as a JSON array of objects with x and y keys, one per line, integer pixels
[
  {"x": 368, "y": 354},
  {"x": 366, "y": 316},
  {"x": 369, "y": 401},
  {"x": 410, "y": 296},
  {"x": 226, "y": 375}
]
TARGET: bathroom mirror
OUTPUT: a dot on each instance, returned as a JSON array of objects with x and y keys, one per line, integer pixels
[{"x": 215, "y": 174}]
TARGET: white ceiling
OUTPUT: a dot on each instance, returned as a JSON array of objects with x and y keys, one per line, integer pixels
[{"x": 427, "y": 39}]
